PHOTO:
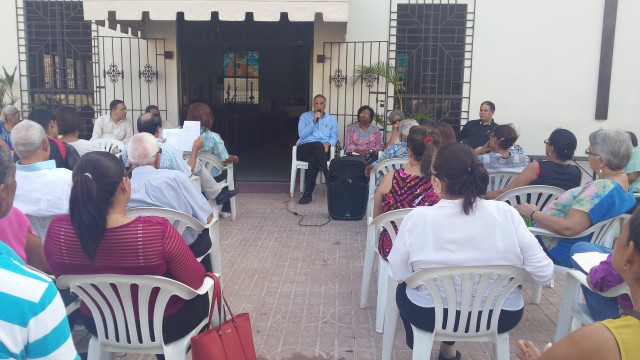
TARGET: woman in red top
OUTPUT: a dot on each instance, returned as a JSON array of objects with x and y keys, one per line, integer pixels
[
  {"x": 99, "y": 238},
  {"x": 408, "y": 187}
]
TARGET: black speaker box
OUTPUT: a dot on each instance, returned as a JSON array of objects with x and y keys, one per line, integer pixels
[{"x": 347, "y": 188}]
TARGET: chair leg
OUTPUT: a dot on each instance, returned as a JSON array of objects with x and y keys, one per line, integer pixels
[
  {"x": 214, "y": 255},
  {"x": 232, "y": 202},
  {"x": 95, "y": 350},
  {"x": 367, "y": 268},
  {"x": 536, "y": 294},
  {"x": 383, "y": 281},
  {"x": 570, "y": 298},
  {"x": 391, "y": 316},
  {"x": 501, "y": 347},
  {"x": 292, "y": 183},
  {"x": 422, "y": 344}
]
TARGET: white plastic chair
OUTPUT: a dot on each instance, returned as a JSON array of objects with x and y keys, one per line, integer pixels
[
  {"x": 303, "y": 166},
  {"x": 109, "y": 145},
  {"x": 40, "y": 224},
  {"x": 573, "y": 311},
  {"x": 209, "y": 161},
  {"x": 381, "y": 169},
  {"x": 499, "y": 180},
  {"x": 110, "y": 295},
  {"x": 182, "y": 221},
  {"x": 602, "y": 233},
  {"x": 495, "y": 282},
  {"x": 374, "y": 228},
  {"x": 538, "y": 195}
]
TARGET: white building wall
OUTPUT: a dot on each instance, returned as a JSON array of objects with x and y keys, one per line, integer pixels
[
  {"x": 9, "y": 52},
  {"x": 538, "y": 62}
]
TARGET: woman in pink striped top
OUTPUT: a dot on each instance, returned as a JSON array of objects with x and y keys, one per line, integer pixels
[{"x": 99, "y": 238}]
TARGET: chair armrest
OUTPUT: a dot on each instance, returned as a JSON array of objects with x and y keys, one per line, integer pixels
[
  {"x": 207, "y": 285},
  {"x": 540, "y": 231},
  {"x": 613, "y": 292}
]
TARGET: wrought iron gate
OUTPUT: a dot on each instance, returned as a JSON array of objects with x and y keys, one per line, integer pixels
[
  {"x": 342, "y": 61},
  {"x": 132, "y": 70}
]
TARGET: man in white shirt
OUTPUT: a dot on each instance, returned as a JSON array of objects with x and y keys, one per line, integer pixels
[
  {"x": 43, "y": 189},
  {"x": 115, "y": 125}
]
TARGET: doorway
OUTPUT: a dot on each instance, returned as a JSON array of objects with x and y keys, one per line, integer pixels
[{"x": 255, "y": 76}]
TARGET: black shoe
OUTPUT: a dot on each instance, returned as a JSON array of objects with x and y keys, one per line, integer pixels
[
  {"x": 225, "y": 195},
  {"x": 305, "y": 199}
]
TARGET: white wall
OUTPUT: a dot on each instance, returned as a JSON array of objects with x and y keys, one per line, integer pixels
[
  {"x": 368, "y": 20},
  {"x": 538, "y": 62},
  {"x": 9, "y": 52}
]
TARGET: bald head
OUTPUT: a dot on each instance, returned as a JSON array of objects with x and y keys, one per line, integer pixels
[{"x": 150, "y": 123}]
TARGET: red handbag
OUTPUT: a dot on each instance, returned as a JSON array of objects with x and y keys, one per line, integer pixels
[{"x": 231, "y": 340}]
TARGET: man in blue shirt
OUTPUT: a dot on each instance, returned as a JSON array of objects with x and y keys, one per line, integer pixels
[{"x": 318, "y": 132}]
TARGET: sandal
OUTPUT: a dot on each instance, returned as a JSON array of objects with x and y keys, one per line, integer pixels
[{"x": 457, "y": 357}]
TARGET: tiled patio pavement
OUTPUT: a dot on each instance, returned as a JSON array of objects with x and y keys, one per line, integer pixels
[{"x": 301, "y": 286}]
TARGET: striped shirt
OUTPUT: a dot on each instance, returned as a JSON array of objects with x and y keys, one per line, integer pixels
[{"x": 33, "y": 321}]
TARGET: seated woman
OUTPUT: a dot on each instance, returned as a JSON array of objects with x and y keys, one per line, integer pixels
[
  {"x": 556, "y": 171},
  {"x": 614, "y": 339},
  {"x": 495, "y": 154},
  {"x": 461, "y": 230},
  {"x": 364, "y": 137},
  {"x": 69, "y": 126},
  {"x": 408, "y": 187},
  {"x": 97, "y": 237},
  {"x": 578, "y": 209},
  {"x": 214, "y": 144}
]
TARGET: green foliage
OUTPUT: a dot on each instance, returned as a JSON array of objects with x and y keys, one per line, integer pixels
[
  {"x": 6, "y": 87},
  {"x": 385, "y": 71}
]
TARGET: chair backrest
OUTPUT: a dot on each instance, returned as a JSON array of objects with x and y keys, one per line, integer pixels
[
  {"x": 40, "y": 224},
  {"x": 178, "y": 219},
  {"x": 474, "y": 289},
  {"x": 605, "y": 232},
  {"x": 109, "y": 145},
  {"x": 110, "y": 298},
  {"x": 208, "y": 160},
  {"x": 383, "y": 168},
  {"x": 386, "y": 220},
  {"x": 499, "y": 180},
  {"x": 538, "y": 195}
]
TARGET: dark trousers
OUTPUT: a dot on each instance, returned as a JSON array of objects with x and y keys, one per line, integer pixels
[
  {"x": 174, "y": 326},
  {"x": 314, "y": 154},
  {"x": 226, "y": 207},
  {"x": 425, "y": 318},
  {"x": 200, "y": 246}
]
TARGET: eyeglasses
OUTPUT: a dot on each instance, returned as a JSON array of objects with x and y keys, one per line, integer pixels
[
  {"x": 128, "y": 172},
  {"x": 547, "y": 142},
  {"x": 159, "y": 152},
  {"x": 587, "y": 152}
]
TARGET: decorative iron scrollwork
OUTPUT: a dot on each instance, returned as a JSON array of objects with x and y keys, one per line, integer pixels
[
  {"x": 369, "y": 80},
  {"x": 338, "y": 78},
  {"x": 147, "y": 73},
  {"x": 113, "y": 73}
]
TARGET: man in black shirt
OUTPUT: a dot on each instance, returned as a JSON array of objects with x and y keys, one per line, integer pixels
[{"x": 476, "y": 132}]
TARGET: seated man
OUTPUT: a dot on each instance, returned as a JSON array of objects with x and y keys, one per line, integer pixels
[
  {"x": 171, "y": 189},
  {"x": 172, "y": 159},
  {"x": 115, "y": 125},
  {"x": 398, "y": 150},
  {"x": 476, "y": 133},
  {"x": 396, "y": 118},
  {"x": 318, "y": 132},
  {"x": 43, "y": 189},
  {"x": 64, "y": 154},
  {"x": 27, "y": 295},
  {"x": 15, "y": 228}
]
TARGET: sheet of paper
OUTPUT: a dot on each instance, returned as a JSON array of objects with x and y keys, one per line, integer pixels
[
  {"x": 190, "y": 132},
  {"x": 589, "y": 259},
  {"x": 173, "y": 137}
]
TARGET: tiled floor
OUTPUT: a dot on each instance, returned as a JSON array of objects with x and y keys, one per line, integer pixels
[{"x": 301, "y": 285}]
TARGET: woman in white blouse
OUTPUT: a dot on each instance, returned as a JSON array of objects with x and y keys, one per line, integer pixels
[{"x": 461, "y": 230}]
